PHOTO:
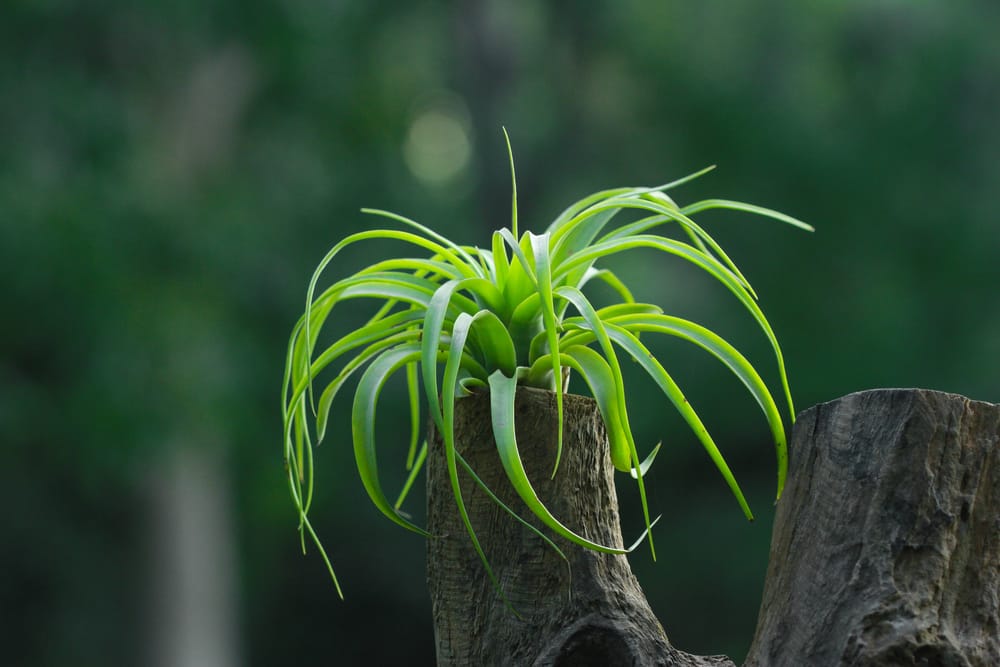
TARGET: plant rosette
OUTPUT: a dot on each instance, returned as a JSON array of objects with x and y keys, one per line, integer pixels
[{"x": 461, "y": 319}]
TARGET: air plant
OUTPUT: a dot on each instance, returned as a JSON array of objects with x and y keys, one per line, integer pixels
[{"x": 462, "y": 319}]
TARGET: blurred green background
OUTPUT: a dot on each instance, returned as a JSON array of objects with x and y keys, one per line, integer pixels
[{"x": 171, "y": 172}]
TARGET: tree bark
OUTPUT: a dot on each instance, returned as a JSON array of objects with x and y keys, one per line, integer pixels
[
  {"x": 587, "y": 611},
  {"x": 885, "y": 549},
  {"x": 886, "y": 542}
]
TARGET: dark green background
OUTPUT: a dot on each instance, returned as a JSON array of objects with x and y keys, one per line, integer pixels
[{"x": 171, "y": 172}]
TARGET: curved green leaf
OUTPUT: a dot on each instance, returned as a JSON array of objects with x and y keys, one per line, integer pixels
[
  {"x": 414, "y": 467},
  {"x": 502, "y": 392},
  {"x": 487, "y": 293},
  {"x": 521, "y": 280},
  {"x": 491, "y": 338},
  {"x": 540, "y": 252},
  {"x": 470, "y": 385},
  {"x": 485, "y": 262},
  {"x": 434, "y": 318},
  {"x": 609, "y": 278},
  {"x": 579, "y": 225},
  {"x": 746, "y": 208},
  {"x": 645, "y": 466},
  {"x": 656, "y": 371},
  {"x": 371, "y": 332},
  {"x": 733, "y": 360},
  {"x": 576, "y": 336},
  {"x": 703, "y": 261},
  {"x": 580, "y": 232},
  {"x": 437, "y": 313},
  {"x": 363, "y": 426},
  {"x": 556, "y": 227},
  {"x": 293, "y": 413},
  {"x": 527, "y": 310},
  {"x": 407, "y": 237},
  {"x": 601, "y": 381},
  {"x": 460, "y": 333},
  {"x": 421, "y": 267},
  {"x": 413, "y": 394},
  {"x": 513, "y": 184},
  {"x": 500, "y": 264},
  {"x": 391, "y": 328},
  {"x": 369, "y": 353},
  {"x": 582, "y": 305},
  {"x": 307, "y": 527},
  {"x": 467, "y": 265},
  {"x": 670, "y": 211}
]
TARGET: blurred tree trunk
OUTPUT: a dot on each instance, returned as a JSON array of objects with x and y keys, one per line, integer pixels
[
  {"x": 193, "y": 601},
  {"x": 886, "y": 545}
]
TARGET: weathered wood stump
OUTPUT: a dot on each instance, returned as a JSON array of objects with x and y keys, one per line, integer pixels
[
  {"x": 589, "y": 611},
  {"x": 885, "y": 551},
  {"x": 886, "y": 542}
]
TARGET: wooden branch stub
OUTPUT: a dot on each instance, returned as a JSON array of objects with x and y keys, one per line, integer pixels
[
  {"x": 587, "y": 611},
  {"x": 886, "y": 543}
]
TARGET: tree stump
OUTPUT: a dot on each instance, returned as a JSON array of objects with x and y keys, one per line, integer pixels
[
  {"x": 886, "y": 542},
  {"x": 589, "y": 611}
]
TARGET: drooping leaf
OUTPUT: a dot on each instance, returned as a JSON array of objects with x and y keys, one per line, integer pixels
[
  {"x": 467, "y": 265},
  {"x": 586, "y": 310},
  {"x": 460, "y": 333},
  {"x": 420, "y": 268},
  {"x": 579, "y": 225},
  {"x": 502, "y": 392},
  {"x": 407, "y": 237},
  {"x": 732, "y": 359},
  {"x": 363, "y": 427},
  {"x": 670, "y": 212},
  {"x": 568, "y": 224},
  {"x": 413, "y": 394},
  {"x": 414, "y": 467},
  {"x": 574, "y": 335},
  {"x": 434, "y": 318},
  {"x": 655, "y": 370},
  {"x": 691, "y": 209},
  {"x": 600, "y": 380},
  {"x": 366, "y": 355},
  {"x": 703, "y": 261}
]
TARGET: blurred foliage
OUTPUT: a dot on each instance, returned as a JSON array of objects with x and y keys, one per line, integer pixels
[{"x": 171, "y": 171}]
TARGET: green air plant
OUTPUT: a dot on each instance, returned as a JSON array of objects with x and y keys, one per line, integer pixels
[{"x": 462, "y": 319}]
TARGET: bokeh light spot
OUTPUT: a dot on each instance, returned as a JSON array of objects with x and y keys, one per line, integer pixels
[{"x": 438, "y": 146}]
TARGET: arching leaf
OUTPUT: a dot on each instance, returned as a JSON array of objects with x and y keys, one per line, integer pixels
[
  {"x": 502, "y": 392},
  {"x": 586, "y": 310},
  {"x": 363, "y": 427},
  {"x": 642, "y": 355}
]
